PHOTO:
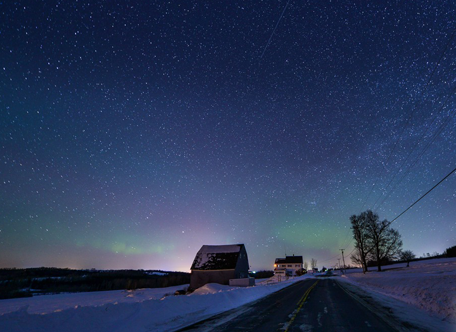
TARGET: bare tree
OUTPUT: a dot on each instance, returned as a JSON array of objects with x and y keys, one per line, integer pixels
[
  {"x": 313, "y": 263},
  {"x": 385, "y": 241},
  {"x": 306, "y": 266},
  {"x": 407, "y": 255},
  {"x": 356, "y": 259},
  {"x": 374, "y": 239},
  {"x": 362, "y": 243}
]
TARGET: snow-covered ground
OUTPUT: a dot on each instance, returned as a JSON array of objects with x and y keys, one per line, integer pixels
[
  {"x": 139, "y": 310},
  {"x": 423, "y": 294}
]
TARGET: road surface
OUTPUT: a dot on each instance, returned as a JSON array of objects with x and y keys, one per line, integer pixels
[{"x": 309, "y": 305}]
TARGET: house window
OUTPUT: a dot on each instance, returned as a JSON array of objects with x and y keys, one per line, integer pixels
[{"x": 289, "y": 265}]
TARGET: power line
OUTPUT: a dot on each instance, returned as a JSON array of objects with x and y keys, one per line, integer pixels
[
  {"x": 399, "y": 137},
  {"x": 414, "y": 203},
  {"x": 348, "y": 255},
  {"x": 419, "y": 199},
  {"x": 411, "y": 112},
  {"x": 407, "y": 171},
  {"x": 330, "y": 259},
  {"x": 403, "y": 212}
]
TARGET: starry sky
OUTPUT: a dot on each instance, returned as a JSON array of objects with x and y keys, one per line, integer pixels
[{"x": 134, "y": 132}]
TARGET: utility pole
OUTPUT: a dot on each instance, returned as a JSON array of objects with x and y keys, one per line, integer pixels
[
  {"x": 339, "y": 263},
  {"x": 343, "y": 259}
]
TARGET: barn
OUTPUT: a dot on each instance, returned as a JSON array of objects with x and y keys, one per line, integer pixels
[{"x": 219, "y": 264}]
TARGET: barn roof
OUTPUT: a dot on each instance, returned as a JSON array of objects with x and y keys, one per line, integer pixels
[
  {"x": 289, "y": 260},
  {"x": 222, "y": 257}
]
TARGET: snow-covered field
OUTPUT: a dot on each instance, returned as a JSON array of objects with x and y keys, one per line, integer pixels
[
  {"x": 424, "y": 293},
  {"x": 139, "y": 310}
]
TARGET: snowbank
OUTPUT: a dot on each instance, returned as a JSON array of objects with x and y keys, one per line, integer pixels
[
  {"x": 46, "y": 304},
  {"x": 429, "y": 286},
  {"x": 116, "y": 311}
]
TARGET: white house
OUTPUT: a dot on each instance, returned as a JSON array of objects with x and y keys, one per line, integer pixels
[{"x": 288, "y": 266}]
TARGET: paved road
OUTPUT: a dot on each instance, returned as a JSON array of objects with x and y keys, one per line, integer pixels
[{"x": 310, "y": 305}]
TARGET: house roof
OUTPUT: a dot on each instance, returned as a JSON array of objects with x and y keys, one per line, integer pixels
[
  {"x": 289, "y": 260},
  {"x": 222, "y": 257}
]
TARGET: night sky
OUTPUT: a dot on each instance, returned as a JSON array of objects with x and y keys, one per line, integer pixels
[{"x": 134, "y": 132}]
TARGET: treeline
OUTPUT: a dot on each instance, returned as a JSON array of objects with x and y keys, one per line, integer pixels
[
  {"x": 408, "y": 256},
  {"x": 29, "y": 282},
  {"x": 450, "y": 252}
]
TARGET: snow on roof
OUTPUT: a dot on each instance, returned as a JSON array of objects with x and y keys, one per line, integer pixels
[{"x": 219, "y": 257}]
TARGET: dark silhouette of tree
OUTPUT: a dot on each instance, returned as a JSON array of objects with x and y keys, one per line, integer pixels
[
  {"x": 360, "y": 235},
  {"x": 386, "y": 241},
  {"x": 374, "y": 239},
  {"x": 407, "y": 255},
  {"x": 356, "y": 259},
  {"x": 451, "y": 252},
  {"x": 313, "y": 263}
]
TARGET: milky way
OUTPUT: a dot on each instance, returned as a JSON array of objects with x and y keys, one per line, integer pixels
[{"x": 134, "y": 132}]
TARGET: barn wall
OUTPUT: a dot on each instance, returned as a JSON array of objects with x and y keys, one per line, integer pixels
[
  {"x": 243, "y": 282},
  {"x": 199, "y": 278},
  {"x": 242, "y": 266}
]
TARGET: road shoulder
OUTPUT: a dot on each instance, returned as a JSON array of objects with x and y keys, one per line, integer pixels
[{"x": 399, "y": 315}]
